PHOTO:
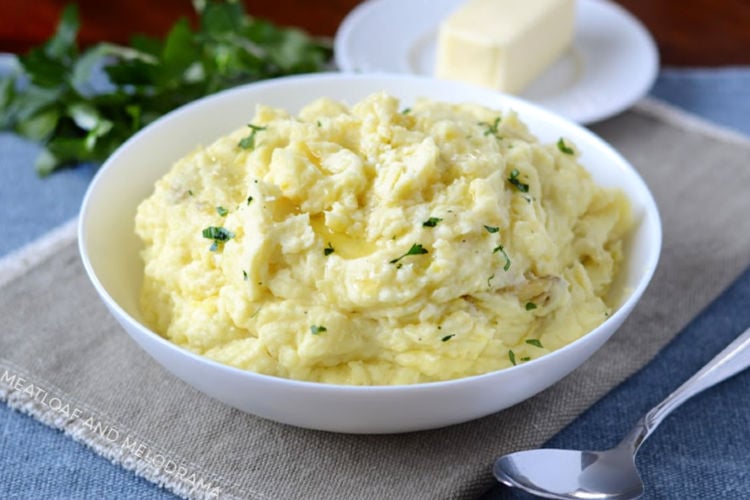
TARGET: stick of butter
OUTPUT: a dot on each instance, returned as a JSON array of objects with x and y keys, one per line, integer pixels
[{"x": 503, "y": 44}]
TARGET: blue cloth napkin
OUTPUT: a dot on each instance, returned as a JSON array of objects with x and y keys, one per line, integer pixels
[{"x": 699, "y": 452}]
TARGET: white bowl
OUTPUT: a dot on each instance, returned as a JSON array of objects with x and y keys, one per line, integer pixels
[{"x": 110, "y": 253}]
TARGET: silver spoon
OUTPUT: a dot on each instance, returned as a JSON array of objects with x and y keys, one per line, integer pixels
[{"x": 612, "y": 474}]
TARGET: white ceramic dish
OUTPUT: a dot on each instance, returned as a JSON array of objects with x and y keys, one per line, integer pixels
[
  {"x": 613, "y": 61},
  {"x": 110, "y": 253}
]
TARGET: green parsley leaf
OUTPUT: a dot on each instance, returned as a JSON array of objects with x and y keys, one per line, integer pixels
[
  {"x": 406, "y": 111},
  {"x": 432, "y": 222},
  {"x": 500, "y": 248},
  {"x": 190, "y": 192},
  {"x": 534, "y": 342},
  {"x": 416, "y": 249},
  {"x": 248, "y": 142},
  {"x": 222, "y": 211},
  {"x": 490, "y": 279},
  {"x": 526, "y": 358},
  {"x": 328, "y": 250},
  {"x": 244, "y": 275},
  {"x": 491, "y": 129},
  {"x": 316, "y": 329},
  {"x": 318, "y": 123},
  {"x": 513, "y": 179},
  {"x": 249, "y": 200},
  {"x": 448, "y": 337},
  {"x": 218, "y": 234},
  {"x": 564, "y": 147},
  {"x": 530, "y": 306},
  {"x": 512, "y": 357},
  {"x": 492, "y": 229}
]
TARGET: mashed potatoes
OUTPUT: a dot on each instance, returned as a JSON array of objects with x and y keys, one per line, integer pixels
[{"x": 375, "y": 245}]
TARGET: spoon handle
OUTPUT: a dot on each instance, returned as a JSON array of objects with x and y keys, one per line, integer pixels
[{"x": 732, "y": 360}]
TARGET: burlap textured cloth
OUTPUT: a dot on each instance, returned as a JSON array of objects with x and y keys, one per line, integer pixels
[{"x": 66, "y": 362}]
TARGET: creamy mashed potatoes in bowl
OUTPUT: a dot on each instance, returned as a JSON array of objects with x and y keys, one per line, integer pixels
[{"x": 368, "y": 253}]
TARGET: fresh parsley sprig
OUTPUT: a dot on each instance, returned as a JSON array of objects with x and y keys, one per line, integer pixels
[{"x": 51, "y": 99}]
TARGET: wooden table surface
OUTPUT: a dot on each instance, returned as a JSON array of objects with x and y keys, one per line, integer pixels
[{"x": 688, "y": 32}]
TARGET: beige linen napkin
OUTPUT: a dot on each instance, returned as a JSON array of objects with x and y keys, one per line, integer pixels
[{"x": 66, "y": 362}]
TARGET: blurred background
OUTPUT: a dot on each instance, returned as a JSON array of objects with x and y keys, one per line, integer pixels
[{"x": 688, "y": 32}]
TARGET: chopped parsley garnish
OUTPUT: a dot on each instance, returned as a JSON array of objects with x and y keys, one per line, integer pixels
[
  {"x": 222, "y": 211},
  {"x": 190, "y": 192},
  {"x": 244, "y": 275},
  {"x": 513, "y": 179},
  {"x": 491, "y": 129},
  {"x": 249, "y": 141},
  {"x": 448, "y": 337},
  {"x": 432, "y": 222},
  {"x": 530, "y": 306},
  {"x": 249, "y": 200},
  {"x": 218, "y": 234},
  {"x": 316, "y": 329},
  {"x": 406, "y": 111},
  {"x": 416, "y": 249},
  {"x": 500, "y": 248},
  {"x": 564, "y": 147},
  {"x": 490, "y": 279},
  {"x": 534, "y": 342},
  {"x": 512, "y": 357},
  {"x": 318, "y": 122},
  {"x": 526, "y": 358},
  {"x": 492, "y": 229},
  {"x": 328, "y": 250}
]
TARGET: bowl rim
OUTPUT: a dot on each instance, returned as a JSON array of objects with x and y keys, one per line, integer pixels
[{"x": 650, "y": 210}]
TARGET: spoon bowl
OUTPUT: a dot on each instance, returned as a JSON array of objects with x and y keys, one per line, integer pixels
[{"x": 553, "y": 473}]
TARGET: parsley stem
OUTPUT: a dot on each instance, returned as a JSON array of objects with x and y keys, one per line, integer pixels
[
  {"x": 416, "y": 249},
  {"x": 249, "y": 141},
  {"x": 500, "y": 249}
]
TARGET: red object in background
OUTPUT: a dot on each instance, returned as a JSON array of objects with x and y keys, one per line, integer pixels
[{"x": 688, "y": 32}]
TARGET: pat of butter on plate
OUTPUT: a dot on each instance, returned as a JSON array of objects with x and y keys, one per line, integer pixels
[{"x": 503, "y": 44}]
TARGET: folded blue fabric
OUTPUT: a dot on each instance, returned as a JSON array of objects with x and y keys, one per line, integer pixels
[
  {"x": 718, "y": 95},
  {"x": 39, "y": 462}
]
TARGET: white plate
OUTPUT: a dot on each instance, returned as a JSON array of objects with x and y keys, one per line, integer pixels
[{"x": 612, "y": 63}]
